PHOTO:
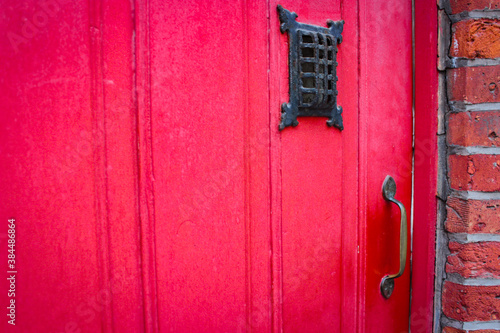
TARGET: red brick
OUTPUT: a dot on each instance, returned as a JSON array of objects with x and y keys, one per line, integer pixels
[
  {"x": 476, "y": 39},
  {"x": 475, "y": 172},
  {"x": 474, "y": 84},
  {"x": 474, "y": 260},
  {"x": 458, "y": 6},
  {"x": 474, "y": 129},
  {"x": 471, "y": 303},
  {"x": 473, "y": 216}
]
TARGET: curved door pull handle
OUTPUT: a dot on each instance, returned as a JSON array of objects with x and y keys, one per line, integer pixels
[{"x": 388, "y": 192}]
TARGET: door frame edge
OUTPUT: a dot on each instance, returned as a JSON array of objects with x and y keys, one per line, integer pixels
[{"x": 426, "y": 99}]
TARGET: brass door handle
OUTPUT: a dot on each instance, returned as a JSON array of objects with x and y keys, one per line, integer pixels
[{"x": 388, "y": 192}]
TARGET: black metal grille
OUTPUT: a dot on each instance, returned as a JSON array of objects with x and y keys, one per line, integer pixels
[
  {"x": 312, "y": 58},
  {"x": 317, "y": 79}
]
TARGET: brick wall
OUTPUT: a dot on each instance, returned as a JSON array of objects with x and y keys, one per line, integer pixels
[{"x": 469, "y": 286}]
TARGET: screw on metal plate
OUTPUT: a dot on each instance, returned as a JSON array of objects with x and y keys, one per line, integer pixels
[
  {"x": 312, "y": 69},
  {"x": 387, "y": 287}
]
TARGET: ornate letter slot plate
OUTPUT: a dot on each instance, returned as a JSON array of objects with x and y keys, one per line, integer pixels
[{"x": 312, "y": 59}]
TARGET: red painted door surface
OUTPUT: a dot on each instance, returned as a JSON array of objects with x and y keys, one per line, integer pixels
[{"x": 153, "y": 192}]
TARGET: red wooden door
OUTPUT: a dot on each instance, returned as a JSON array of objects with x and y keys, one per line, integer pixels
[{"x": 152, "y": 189}]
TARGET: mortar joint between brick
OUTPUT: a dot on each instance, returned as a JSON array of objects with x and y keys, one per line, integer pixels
[
  {"x": 444, "y": 5},
  {"x": 470, "y": 325},
  {"x": 464, "y": 238},
  {"x": 461, "y": 106},
  {"x": 475, "y": 282},
  {"x": 472, "y": 150},
  {"x": 444, "y": 50},
  {"x": 474, "y": 195},
  {"x": 442, "y": 253},
  {"x": 456, "y": 62},
  {"x": 475, "y": 15}
]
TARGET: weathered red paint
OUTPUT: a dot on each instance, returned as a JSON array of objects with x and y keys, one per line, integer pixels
[
  {"x": 154, "y": 192},
  {"x": 69, "y": 165},
  {"x": 384, "y": 150}
]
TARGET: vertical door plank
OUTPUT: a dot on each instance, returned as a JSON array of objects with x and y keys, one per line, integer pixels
[
  {"x": 385, "y": 149},
  {"x": 310, "y": 162},
  {"x": 210, "y": 147}
]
